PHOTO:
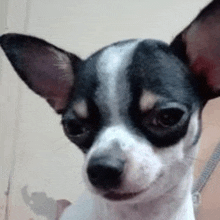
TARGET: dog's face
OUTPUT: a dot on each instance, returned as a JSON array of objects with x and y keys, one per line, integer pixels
[
  {"x": 133, "y": 107},
  {"x": 135, "y": 114}
]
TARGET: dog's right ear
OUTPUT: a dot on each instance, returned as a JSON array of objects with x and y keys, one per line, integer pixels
[
  {"x": 198, "y": 46},
  {"x": 46, "y": 69}
]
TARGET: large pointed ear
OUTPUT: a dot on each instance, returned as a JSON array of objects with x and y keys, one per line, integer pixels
[
  {"x": 46, "y": 69},
  {"x": 199, "y": 47}
]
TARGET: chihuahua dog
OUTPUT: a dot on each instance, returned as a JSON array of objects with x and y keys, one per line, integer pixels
[{"x": 134, "y": 109}]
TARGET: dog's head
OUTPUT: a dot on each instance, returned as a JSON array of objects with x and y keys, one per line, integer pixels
[{"x": 133, "y": 107}]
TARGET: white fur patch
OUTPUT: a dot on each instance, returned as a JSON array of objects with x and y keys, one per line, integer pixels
[
  {"x": 142, "y": 165},
  {"x": 114, "y": 61}
]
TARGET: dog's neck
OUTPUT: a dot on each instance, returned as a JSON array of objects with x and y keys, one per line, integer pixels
[{"x": 176, "y": 204}]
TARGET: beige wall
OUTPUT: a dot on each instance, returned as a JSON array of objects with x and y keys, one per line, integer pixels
[{"x": 39, "y": 161}]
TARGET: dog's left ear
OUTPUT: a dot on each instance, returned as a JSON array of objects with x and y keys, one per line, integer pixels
[
  {"x": 46, "y": 69},
  {"x": 199, "y": 47}
]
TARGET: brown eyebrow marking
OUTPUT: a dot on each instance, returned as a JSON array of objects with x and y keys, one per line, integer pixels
[
  {"x": 147, "y": 100},
  {"x": 81, "y": 109}
]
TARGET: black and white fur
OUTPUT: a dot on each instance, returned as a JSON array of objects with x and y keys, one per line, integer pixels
[{"x": 134, "y": 109}]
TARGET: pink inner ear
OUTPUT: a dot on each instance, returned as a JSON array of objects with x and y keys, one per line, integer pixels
[
  {"x": 203, "y": 49},
  {"x": 209, "y": 69},
  {"x": 50, "y": 73}
]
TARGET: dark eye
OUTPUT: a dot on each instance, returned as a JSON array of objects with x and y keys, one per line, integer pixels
[
  {"x": 74, "y": 128},
  {"x": 168, "y": 117}
]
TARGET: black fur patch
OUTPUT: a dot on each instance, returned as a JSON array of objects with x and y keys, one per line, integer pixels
[{"x": 156, "y": 69}]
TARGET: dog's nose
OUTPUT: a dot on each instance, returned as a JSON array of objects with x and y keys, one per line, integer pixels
[{"x": 105, "y": 172}]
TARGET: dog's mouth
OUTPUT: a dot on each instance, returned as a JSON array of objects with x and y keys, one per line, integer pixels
[
  {"x": 121, "y": 196},
  {"x": 116, "y": 196}
]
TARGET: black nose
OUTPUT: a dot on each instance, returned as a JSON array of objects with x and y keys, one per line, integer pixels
[{"x": 105, "y": 172}]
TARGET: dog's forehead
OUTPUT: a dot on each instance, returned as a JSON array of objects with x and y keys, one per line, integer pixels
[
  {"x": 116, "y": 75},
  {"x": 112, "y": 69},
  {"x": 116, "y": 58},
  {"x": 149, "y": 61}
]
